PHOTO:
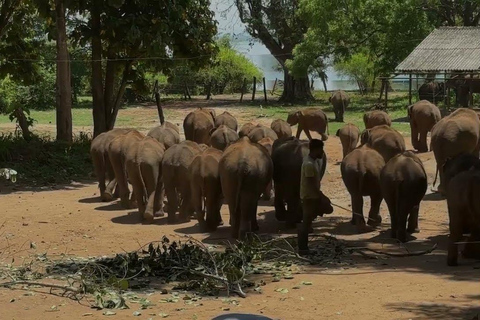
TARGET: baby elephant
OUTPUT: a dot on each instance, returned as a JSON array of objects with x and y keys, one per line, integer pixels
[
  {"x": 376, "y": 118},
  {"x": 403, "y": 182},
  {"x": 464, "y": 214},
  {"x": 349, "y": 135}
]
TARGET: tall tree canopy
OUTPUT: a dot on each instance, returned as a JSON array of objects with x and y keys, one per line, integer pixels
[
  {"x": 278, "y": 26},
  {"x": 385, "y": 31},
  {"x": 453, "y": 12},
  {"x": 124, "y": 32}
]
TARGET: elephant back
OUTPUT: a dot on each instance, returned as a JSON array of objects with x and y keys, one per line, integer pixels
[
  {"x": 281, "y": 128},
  {"x": 227, "y": 119},
  {"x": 260, "y": 132}
]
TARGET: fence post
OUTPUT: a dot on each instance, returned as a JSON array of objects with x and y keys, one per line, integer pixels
[
  {"x": 254, "y": 87},
  {"x": 244, "y": 87},
  {"x": 156, "y": 92},
  {"x": 386, "y": 93},
  {"x": 410, "y": 89},
  {"x": 209, "y": 90},
  {"x": 187, "y": 92},
  {"x": 274, "y": 86},
  {"x": 264, "y": 89}
]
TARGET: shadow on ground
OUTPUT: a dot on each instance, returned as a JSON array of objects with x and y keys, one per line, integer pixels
[{"x": 436, "y": 311}]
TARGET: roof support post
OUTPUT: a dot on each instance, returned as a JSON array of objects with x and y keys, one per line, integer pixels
[{"x": 410, "y": 89}]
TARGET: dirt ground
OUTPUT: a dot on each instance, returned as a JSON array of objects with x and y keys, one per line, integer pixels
[{"x": 70, "y": 220}]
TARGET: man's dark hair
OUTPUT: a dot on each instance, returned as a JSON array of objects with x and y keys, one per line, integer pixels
[{"x": 315, "y": 144}]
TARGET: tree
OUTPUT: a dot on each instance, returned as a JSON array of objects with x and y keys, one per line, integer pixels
[
  {"x": 122, "y": 32},
  {"x": 384, "y": 30},
  {"x": 278, "y": 26},
  {"x": 63, "y": 81},
  {"x": 359, "y": 67},
  {"x": 21, "y": 35},
  {"x": 453, "y": 12}
]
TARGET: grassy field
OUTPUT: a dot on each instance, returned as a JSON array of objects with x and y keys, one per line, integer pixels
[{"x": 136, "y": 116}]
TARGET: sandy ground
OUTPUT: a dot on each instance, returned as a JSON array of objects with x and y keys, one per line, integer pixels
[{"x": 70, "y": 220}]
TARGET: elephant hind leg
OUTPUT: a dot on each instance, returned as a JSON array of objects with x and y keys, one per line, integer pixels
[
  {"x": 357, "y": 210},
  {"x": 280, "y": 212},
  {"x": 422, "y": 143},
  {"x": 413, "y": 220},
  {"x": 374, "y": 217},
  {"x": 414, "y": 132}
]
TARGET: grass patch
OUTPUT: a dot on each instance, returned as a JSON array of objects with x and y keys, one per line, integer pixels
[{"x": 42, "y": 161}]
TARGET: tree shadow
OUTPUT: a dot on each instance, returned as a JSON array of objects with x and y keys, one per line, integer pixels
[
  {"x": 403, "y": 119},
  {"x": 436, "y": 311},
  {"x": 9, "y": 188}
]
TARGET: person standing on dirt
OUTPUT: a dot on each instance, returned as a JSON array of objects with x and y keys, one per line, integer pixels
[{"x": 312, "y": 198}]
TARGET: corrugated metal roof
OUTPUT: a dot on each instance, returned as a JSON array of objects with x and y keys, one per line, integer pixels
[{"x": 445, "y": 49}]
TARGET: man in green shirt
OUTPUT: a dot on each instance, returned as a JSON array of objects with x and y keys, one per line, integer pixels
[{"x": 314, "y": 202}]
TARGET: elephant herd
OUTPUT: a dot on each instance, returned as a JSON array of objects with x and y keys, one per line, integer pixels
[
  {"x": 382, "y": 169},
  {"x": 220, "y": 162}
]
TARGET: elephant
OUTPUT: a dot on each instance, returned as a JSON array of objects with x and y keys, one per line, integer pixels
[
  {"x": 222, "y": 137},
  {"x": 144, "y": 168},
  {"x": 455, "y": 134},
  {"x": 206, "y": 188},
  {"x": 340, "y": 101},
  {"x": 349, "y": 135},
  {"x": 310, "y": 119},
  {"x": 376, "y": 118},
  {"x": 464, "y": 85},
  {"x": 423, "y": 116},
  {"x": 226, "y": 118},
  {"x": 464, "y": 214},
  {"x": 245, "y": 171},
  {"x": 117, "y": 151},
  {"x": 198, "y": 124},
  {"x": 403, "y": 182},
  {"x": 287, "y": 157},
  {"x": 432, "y": 91},
  {"x": 260, "y": 132},
  {"x": 386, "y": 140},
  {"x": 167, "y": 134},
  {"x": 245, "y": 129},
  {"x": 361, "y": 170},
  {"x": 457, "y": 164},
  {"x": 281, "y": 128},
  {"x": 101, "y": 162},
  {"x": 175, "y": 165}
]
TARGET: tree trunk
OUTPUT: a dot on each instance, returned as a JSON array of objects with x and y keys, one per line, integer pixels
[
  {"x": 295, "y": 89},
  {"x": 324, "y": 81},
  {"x": 118, "y": 99},
  {"x": 99, "y": 116},
  {"x": 23, "y": 123},
  {"x": 64, "y": 86}
]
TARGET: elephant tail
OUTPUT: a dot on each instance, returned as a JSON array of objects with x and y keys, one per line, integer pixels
[
  {"x": 436, "y": 176},
  {"x": 238, "y": 216},
  {"x": 141, "y": 179}
]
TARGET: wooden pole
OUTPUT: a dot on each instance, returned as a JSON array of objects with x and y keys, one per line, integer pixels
[
  {"x": 187, "y": 92},
  {"x": 410, "y": 89},
  {"x": 274, "y": 86},
  {"x": 209, "y": 90},
  {"x": 386, "y": 93},
  {"x": 244, "y": 87},
  {"x": 156, "y": 92},
  {"x": 254, "y": 87},
  {"x": 264, "y": 89}
]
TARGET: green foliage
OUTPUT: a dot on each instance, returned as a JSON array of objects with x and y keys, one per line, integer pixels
[
  {"x": 41, "y": 161},
  {"x": 385, "y": 30},
  {"x": 359, "y": 68},
  {"x": 226, "y": 72}
]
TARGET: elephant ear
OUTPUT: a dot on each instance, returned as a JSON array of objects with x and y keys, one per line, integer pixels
[
  {"x": 212, "y": 131},
  {"x": 365, "y": 136},
  {"x": 409, "y": 111}
]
